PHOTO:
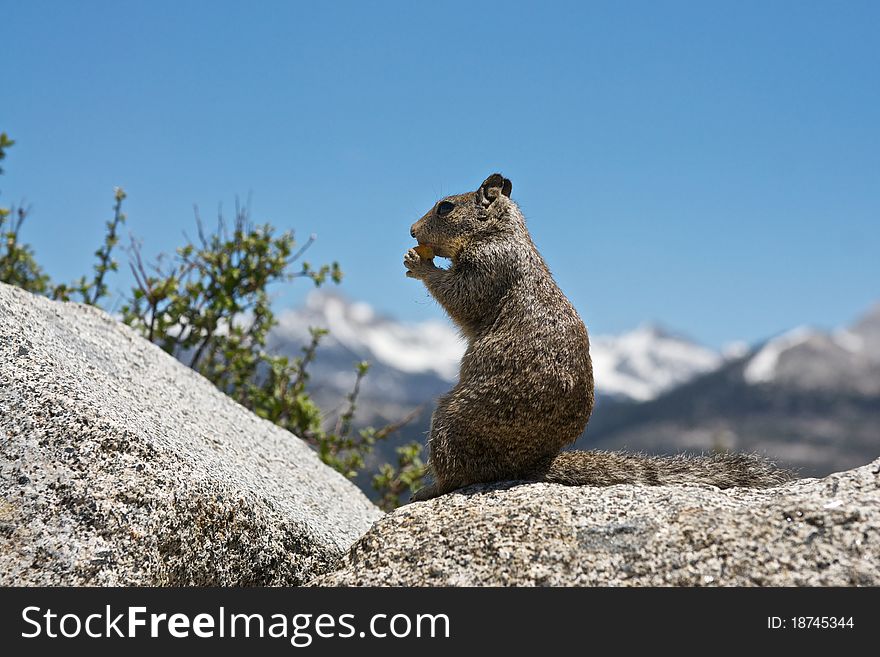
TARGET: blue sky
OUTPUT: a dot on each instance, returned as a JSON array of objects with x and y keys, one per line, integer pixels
[{"x": 714, "y": 166}]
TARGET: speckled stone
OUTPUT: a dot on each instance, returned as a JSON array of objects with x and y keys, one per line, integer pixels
[
  {"x": 807, "y": 533},
  {"x": 120, "y": 466}
]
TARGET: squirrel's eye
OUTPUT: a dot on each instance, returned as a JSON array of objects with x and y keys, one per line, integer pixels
[{"x": 444, "y": 208}]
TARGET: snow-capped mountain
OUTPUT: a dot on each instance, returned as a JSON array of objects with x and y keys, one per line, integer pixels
[
  {"x": 413, "y": 362},
  {"x": 643, "y": 363},
  {"x": 427, "y": 347},
  {"x": 811, "y": 359},
  {"x": 809, "y": 398}
]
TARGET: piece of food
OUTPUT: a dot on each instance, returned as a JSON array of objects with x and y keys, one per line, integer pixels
[{"x": 425, "y": 252}]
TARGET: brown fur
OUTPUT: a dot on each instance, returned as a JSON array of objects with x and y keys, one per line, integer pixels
[{"x": 525, "y": 388}]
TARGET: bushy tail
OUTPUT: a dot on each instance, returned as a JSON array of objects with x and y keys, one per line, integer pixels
[{"x": 607, "y": 468}]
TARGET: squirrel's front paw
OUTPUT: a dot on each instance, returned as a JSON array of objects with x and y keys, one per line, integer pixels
[{"x": 417, "y": 266}]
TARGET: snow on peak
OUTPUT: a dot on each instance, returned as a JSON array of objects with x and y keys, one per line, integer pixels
[
  {"x": 849, "y": 340},
  {"x": 411, "y": 348},
  {"x": 762, "y": 366},
  {"x": 735, "y": 350},
  {"x": 647, "y": 361},
  {"x": 860, "y": 342}
]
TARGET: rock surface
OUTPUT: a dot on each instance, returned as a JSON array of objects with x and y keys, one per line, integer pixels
[
  {"x": 120, "y": 466},
  {"x": 809, "y": 532}
]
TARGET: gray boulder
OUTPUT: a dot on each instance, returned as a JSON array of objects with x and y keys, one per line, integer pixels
[
  {"x": 120, "y": 466},
  {"x": 809, "y": 532}
]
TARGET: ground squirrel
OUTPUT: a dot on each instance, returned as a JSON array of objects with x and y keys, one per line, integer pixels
[{"x": 525, "y": 387}]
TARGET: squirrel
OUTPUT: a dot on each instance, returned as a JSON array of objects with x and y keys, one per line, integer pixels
[{"x": 525, "y": 387}]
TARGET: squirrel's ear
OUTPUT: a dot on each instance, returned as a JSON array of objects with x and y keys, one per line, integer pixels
[{"x": 492, "y": 187}]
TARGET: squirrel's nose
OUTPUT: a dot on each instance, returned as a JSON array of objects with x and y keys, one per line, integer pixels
[{"x": 412, "y": 231}]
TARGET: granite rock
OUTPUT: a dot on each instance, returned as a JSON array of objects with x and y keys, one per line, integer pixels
[
  {"x": 121, "y": 466},
  {"x": 810, "y": 532}
]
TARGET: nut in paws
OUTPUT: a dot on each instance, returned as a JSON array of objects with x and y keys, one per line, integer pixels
[{"x": 415, "y": 265}]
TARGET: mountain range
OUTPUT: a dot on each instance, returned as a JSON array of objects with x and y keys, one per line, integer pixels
[
  {"x": 406, "y": 358},
  {"x": 807, "y": 398}
]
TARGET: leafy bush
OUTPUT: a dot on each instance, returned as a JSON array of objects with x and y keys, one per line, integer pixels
[
  {"x": 396, "y": 482},
  {"x": 17, "y": 264},
  {"x": 208, "y": 305}
]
